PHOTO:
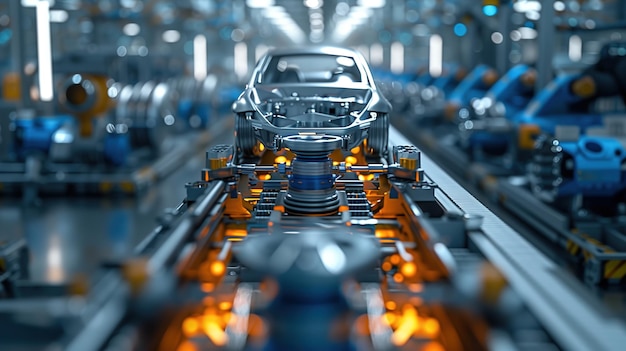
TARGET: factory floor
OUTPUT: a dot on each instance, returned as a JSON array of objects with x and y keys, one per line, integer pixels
[{"x": 70, "y": 237}]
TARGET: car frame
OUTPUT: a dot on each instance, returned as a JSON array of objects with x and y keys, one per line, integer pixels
[{"x": 355, "y": 110}]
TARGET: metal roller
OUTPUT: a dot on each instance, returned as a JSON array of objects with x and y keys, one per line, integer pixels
[
  {"x": 85, "y": 96},
  {"x": 378, "y": 140}
]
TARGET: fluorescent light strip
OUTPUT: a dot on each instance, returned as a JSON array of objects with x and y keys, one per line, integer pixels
[
  {"x": 435, "y": 58},
  {"x": 575, "y": 51},
  {"x": 44, "y": 51},
  {"x": 396, "y": 57},
  {"x": 376, "y": 54},
  {"x": 241, "y": 60},
  {"x": 199, "y": 57}
]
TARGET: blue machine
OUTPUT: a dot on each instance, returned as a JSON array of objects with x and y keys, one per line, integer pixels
[
  {"x": 474, "y": 85},
  {"x": 117, "y": 147},
  {"x": 588, "y": 172},
  {"x": 557, "y": 105},
  {"x": 34, "y": 135},
  {"x": 596, "y": 170},
  {"x": 39, "y": 135},
  {"x": 506, "y": 99}
]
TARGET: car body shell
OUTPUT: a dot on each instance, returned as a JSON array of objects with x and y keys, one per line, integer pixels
[{"x": 279, "y": 109}]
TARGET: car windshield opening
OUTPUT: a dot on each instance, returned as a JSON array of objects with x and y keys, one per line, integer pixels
[{"x": 311, "y": 68}]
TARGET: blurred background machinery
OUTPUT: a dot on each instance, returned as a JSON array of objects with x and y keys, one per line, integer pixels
[{"x": 522, "y": 102}]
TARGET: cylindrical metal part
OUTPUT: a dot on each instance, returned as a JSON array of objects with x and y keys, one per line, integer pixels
[{"x": 311, "y": 188}]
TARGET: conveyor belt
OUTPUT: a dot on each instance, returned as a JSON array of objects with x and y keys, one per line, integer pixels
[{"x": 569, "y": 312}]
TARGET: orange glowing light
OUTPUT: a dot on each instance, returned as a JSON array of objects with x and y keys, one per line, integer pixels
[
  {"x": 362, "y": 325},
  {"x": 210, "y": 313},
  {"x": 409, "y": 269},
  {"x": 386, "y": 266},
  {"x": 390, "y": 305},
  {"x": 431, "y": 327},
  {"x": 217, "y": 268},
  {"x": 394, "y": 259},
  {"x": 261, "y": 146},
  {"x": 187, "y": 346},
  {"x": 266, "y": 177},
  {"x": 190, "y": 326},
  {"x": 415, "y": 287},
  {"x": 390, "y": 318},
  {"x": 433, "y": 346},
  {"x": 409, "y": 323},
  {"x": 280, "y": 159},
  {"x": 416, "y": 301},
  {"x": 256, "y": 326},
  {"x": 207, "y": 287},
  {"x": 236, "y": 232},
  {"x": 366, "y": 177},
  {"x": 228, "y": 317},
  {"x": 225, "y": 305},
  {"x": 355, "y": 150},
  {"x": 385, "y": 233},
  {"x": 398, "y": 278},
  {"x": 335, "y": 163},
  {"x": 208, "y": 301},
  {"x": 215, "y": 333},
  {"x": 351, "y": 160}
]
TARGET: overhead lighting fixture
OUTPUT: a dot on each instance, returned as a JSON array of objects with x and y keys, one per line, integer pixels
[
  {"x": 376, "y": 54},
  {"x": 525, "y": 6},
  {"x": 559, "y": 6},
  {"x": 527, "y": 33},
  {"x": 275, "y": 12},
  {"x": 256, "y": 4},
  {"x": 44, "y": 51},
  {"x": 131, "y": 29},
  {"x": 314, "y": 4},
  {"x": 33, "y": 3},
  {"x": 575, "y": 50},
  {"x": 435, "y": 55},
  {"x": 374, "y": 4},
  {"x": 199, "y": 57},
  {"x": 396, "y": 59},
  {"x": 171, "y": 36},
  {"x": 240, "y": 57},
  {"x": 58, "y": 16},
  {"x": 360, "y": 12}
]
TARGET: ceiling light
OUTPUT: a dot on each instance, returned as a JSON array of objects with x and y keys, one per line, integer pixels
[
  {"x": 255, "y": 4},
  {"x": 371, "y": 3},
  {"x": 313, "y": 4}
]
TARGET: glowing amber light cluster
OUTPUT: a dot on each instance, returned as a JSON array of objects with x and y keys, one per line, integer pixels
[
  {"x": 350, "y": 160},
  {"x": 213, "y": 322},
  {"x": 366, "y": 177},
  {"x": 405, "y": 323}
]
